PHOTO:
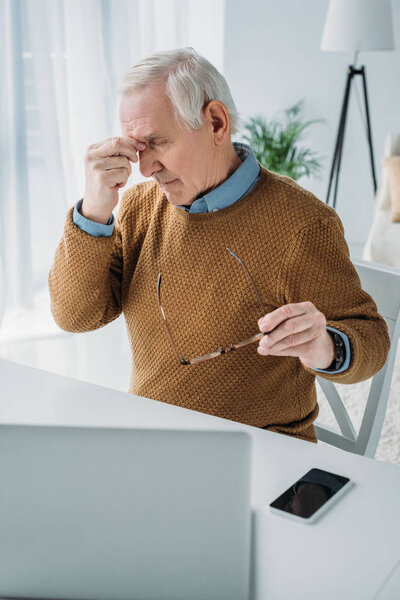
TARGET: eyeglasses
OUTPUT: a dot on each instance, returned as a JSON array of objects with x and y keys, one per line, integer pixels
[{"x": 220, "y": 351}]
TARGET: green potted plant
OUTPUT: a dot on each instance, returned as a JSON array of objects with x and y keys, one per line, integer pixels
[{"x": 276, "y": 143}]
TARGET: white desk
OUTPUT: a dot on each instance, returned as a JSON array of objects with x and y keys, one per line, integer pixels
[{"x": 350, "y": 553}]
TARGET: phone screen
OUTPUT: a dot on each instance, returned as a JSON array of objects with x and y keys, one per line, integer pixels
[{"x": 309, "y": 493}]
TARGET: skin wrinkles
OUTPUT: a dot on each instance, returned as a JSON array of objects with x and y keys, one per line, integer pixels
[{"x": 199, "y": 160}]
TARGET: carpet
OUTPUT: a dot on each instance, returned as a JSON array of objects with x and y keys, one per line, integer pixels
[{"x": 354, "y": 398}]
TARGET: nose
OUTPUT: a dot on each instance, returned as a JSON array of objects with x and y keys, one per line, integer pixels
[{"x": 148, "y": 163}]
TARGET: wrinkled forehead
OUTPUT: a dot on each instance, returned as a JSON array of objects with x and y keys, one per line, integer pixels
[{"x": 148, "y": 112}]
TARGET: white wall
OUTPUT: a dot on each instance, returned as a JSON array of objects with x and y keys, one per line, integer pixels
[{"x": 273, "y": 58}]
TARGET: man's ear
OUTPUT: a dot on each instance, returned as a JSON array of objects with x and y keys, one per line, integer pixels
[{"x": 216, "y": 114}]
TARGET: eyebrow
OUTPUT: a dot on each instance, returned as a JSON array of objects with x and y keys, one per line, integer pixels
[{"x": 153, "y": 136}]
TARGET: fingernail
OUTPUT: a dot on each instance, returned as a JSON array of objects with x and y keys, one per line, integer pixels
[{"x": 141, "y": 146}]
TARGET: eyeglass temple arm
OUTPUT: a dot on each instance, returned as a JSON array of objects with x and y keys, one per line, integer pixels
[
  {"x": 182, "y": 360},
  {"x": 260, "y": 302}
]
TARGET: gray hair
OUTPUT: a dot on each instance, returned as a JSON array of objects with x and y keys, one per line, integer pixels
[{"x": 191, "y": 81}]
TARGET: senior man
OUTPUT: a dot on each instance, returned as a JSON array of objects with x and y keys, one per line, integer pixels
[{"x": 235, "y": 282}]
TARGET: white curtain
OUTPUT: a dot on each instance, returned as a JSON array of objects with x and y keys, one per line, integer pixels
[{"x": 61, "y": 62}]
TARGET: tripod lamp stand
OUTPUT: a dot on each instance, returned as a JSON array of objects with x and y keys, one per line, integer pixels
[{"x": 355, "y": 25}]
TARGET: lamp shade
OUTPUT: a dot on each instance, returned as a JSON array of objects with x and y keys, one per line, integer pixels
[{"x": 355, "y": 25}]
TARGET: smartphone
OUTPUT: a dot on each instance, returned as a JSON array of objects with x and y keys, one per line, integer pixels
[{"x": 311, "y": 496}]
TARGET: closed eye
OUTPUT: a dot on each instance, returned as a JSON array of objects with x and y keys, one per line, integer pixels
[
  {"x": 158, "y": 143},
  {"x": 153, "y": 142}
]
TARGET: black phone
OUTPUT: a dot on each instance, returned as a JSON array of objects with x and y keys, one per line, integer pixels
[{"x": 311, "y": 495}]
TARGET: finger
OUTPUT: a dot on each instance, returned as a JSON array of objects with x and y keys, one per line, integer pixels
[
  {"x": 291, "y": 342},
  {"x": 125, "y": 147},
  {"x": 114, "y": 162},
  {"x": 115, "y": 176},
  {"x": 110, "y": 149},
  {"x": 119, "y": 147},
  {"x": 299, "y": 350},
  {"x": 289, "y": 327},
  {"x": 132, "y": 141},
  {"x": 288, "y": 311},
  {"x": 98, "y": 144}
]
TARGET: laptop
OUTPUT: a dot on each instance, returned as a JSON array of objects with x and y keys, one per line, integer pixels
[{"x": 124, "y": 514}]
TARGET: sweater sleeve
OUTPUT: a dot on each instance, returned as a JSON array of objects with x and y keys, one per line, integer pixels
[
  {"x": 317, "y": 268},
  {"x": 86, "y": 277}
]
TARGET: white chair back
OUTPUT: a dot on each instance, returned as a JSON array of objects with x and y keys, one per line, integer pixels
[
  {"x": 383, "y": 284},
  {"x": 2, "y": 285}
]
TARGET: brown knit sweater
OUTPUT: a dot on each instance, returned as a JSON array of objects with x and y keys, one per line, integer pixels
[{"x": 294, "y": 248}]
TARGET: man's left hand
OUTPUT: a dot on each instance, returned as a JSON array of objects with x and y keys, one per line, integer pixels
[{"x": 297, "y": 330}]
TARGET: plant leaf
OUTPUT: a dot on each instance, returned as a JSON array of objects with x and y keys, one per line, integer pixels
[{"x": 276, "y": 143}]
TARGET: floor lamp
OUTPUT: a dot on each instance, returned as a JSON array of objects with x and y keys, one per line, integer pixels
[{"x": 355, "y": 26}]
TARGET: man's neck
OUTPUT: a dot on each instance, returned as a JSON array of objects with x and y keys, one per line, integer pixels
[{"x": 233, "y": 162}]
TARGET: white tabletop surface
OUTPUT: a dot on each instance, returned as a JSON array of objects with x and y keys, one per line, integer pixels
[{"x": 349, "y": 553}]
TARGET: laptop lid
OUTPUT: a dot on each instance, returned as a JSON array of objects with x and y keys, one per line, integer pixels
[{"x": 124, "y": 514}]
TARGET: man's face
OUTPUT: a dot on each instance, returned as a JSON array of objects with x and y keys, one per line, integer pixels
[{"x": 188, "y": 157}]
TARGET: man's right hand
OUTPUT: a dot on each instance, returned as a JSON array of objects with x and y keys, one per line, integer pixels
[{"x": 107, "y": 169}]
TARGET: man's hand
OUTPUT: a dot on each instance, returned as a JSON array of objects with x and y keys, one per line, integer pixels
[
  {"x": 107, "y": 169},
  {"x": 297, "y": 330}
]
